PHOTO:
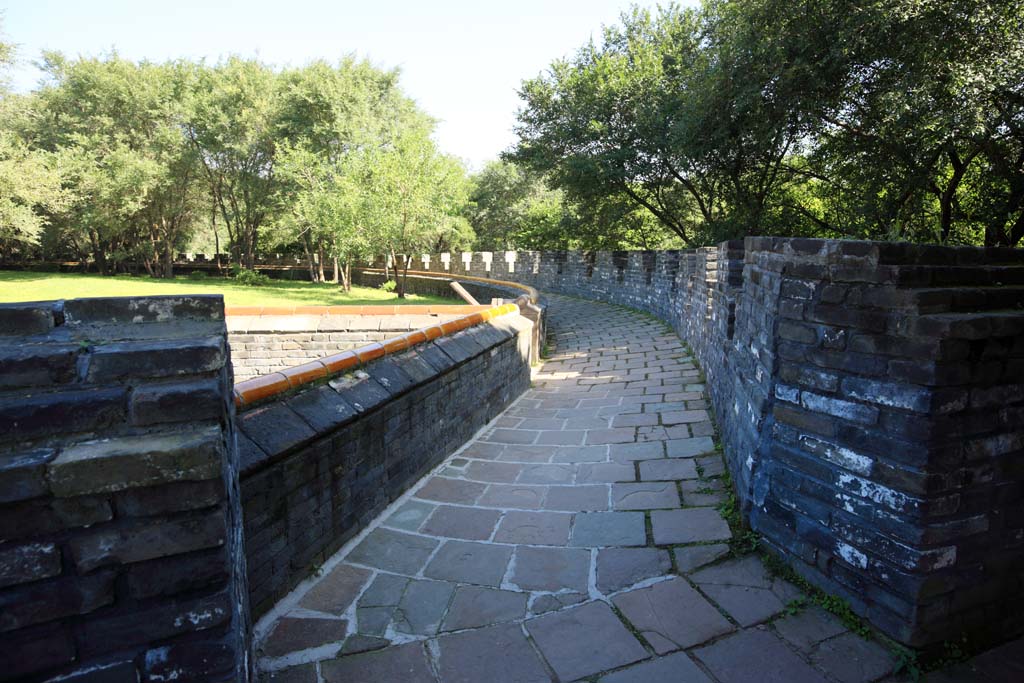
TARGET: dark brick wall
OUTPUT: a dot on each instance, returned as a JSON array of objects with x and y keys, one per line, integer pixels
[
  {"x": 870, "y": 398},
  {"x": 321, "y": 464},
  {"x": 120, "y": 529}
]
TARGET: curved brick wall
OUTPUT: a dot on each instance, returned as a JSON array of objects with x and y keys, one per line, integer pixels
[
  {"x": 323, "y": 458},
  {"x": 870, "y": 398}
]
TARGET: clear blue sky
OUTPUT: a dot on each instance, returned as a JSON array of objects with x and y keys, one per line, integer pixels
[{"x": 462, "y": 60}]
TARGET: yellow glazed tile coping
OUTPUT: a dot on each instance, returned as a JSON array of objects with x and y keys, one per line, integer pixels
[{"x": 266, "y": 386}]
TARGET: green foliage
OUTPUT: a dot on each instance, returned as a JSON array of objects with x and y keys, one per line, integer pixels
[
  {"x": 389, "y": 285},
  {"x": 197, "y": 275},
  {"x": 250, "y": 278},
  {"x": 113, "y": 161},
  {"x": 886, "y": 120}
]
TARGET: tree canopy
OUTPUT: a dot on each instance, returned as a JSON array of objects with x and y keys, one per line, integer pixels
[
  {"x": 117, "y": 162},
  {"x": 894, "y": 119}
]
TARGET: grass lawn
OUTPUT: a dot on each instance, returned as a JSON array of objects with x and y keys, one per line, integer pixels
[{"x": 30, "y": 286}]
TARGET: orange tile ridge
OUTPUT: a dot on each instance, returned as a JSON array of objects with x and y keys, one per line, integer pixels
[{"x": 257, "y": 389}]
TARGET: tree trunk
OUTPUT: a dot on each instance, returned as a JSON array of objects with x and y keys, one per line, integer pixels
[
  {"x": 98, "y": 253},
  {"x": 309, "y": 257},
  {"x": 399, "y": 284},
  {"x": 320, "y": 262},
  {"x": 334, "y": 263}
]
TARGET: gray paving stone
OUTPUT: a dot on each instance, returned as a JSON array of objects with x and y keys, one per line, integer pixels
[
  {"x": 580, "y": 454},
  {"x": 673, "y": 668},
  {"x": 619, "y": 568},
  {"x": 711, "y": 466},
  {"x": 581, "y": 641},
  {"x": 743, "y": 588},
  {"x": 546, "y": 474},
  {"x": 756, "y": 655},
  {"x": 472, "y": 524},
  {"x": 523, "y": 496},
  {"x": 410, "y": 515},
  {"x": 808, "y": 627},
  {"x": 304, "y": 673},
  {"x": 645, "y": 496},
  {"x": 747, "y": 605},
  {"x": 512, "y": 436},
  {"x": 374, "y": 621},
  {"x": 521, "y": 453},
  {"x": 605, "y": 473},
  {"x": 601, "y": 529},
  {"x": 852, "y": 659},
  {"x": 385, "y": 589},
  {"x": 422, "y": 607},
  {"x": 702, "y": 429},
  {"x": 493, "y": 472},
  {"x": 291, "y": 634},
  {"x": 497, "y": 654},
  {"x": 393, "y": 551},
  {"x": 476, "y": 606},
  {"x": 692, "y": 525},
  {"x": 534, "y": 528},
  {"x": 689, "y": 448},
  {"x": 671, "y": 615},
  {"x": 549, "y": 602},
  {"x": 568, "y": 437},
  {"x": 577, "y": 498},
  {"x": 358, "y": 642},
  {"x": 467, "y": 562},
  {"x": 406, "y": 663},
  {"x": 335, "y": 591},
  {"x": 699, "y": 499},
  {"x": 745, "y": 571},
  {"x": 684, "y": 417},
  {"x": 446, "y": 490},
  {"x": 611, "y": 436},
  {"x": 627, "y": 452},
  {"x": 551, "y": 569},
  {"x": 377, "y": 604},
  {"x": 483, "y": 450},
  {"x": 542, "y": 423},
  {"x": 667, "y": 469},
  {"x": 696, "y": 556}
]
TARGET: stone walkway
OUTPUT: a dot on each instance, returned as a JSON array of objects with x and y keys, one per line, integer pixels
[{"x": 577, "y": 539}]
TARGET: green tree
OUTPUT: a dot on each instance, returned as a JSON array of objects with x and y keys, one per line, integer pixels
[
  {"x": 233, "y": 129},
  {"x": 30, "y": 183},
  {"x": 417, "y": 197}
]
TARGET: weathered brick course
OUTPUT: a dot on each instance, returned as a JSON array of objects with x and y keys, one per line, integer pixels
[{"x": 120, "y": 522}]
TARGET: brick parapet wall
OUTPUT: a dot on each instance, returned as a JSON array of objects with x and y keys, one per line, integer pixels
[
  {"x": 870, "y": 399},
  {"x": 320, "y": 464},
  {"x": 120, "y": 528}
]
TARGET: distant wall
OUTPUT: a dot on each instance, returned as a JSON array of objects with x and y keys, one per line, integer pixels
[
  {"x": 120, "y": 530},
  {"x": 261, "y": 344},
  {"x": 320, "y": 464},
  {"x": 870, "y": 398}
]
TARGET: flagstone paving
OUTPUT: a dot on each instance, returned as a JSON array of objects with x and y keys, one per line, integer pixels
[{"x": 576, "y": 539}]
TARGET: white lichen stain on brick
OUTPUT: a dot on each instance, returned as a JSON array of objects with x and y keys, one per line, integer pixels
[
  {"x": 844, "y": 457},
  {"x": 882, "y": 495},
  {"x": 199, "y": 618},
  {"x": 852, "y": 555}
]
